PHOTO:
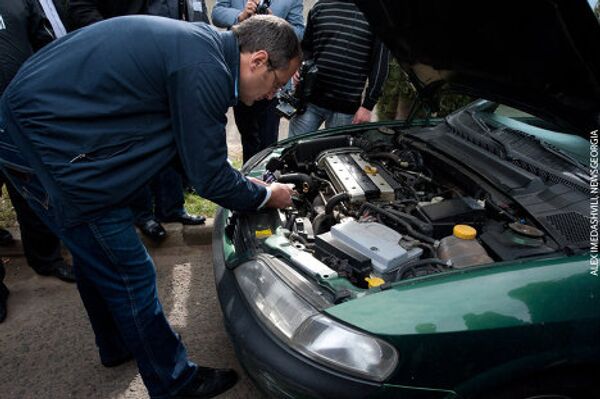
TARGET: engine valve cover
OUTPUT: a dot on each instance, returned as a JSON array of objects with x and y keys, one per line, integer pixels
[{"x": 362, "y": 180}]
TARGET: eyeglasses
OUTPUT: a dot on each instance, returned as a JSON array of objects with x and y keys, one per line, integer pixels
[{"x": 277, "y": 84}]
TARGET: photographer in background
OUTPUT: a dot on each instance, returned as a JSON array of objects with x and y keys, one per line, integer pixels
[
  {"x": 258, "y": 124},
  {"x": 345, "y": 58}
]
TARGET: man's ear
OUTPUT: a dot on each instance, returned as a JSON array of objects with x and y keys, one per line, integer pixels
[{"x": 258, "y": 59}]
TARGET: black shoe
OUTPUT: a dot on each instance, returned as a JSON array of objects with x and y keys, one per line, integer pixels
[
  {"x": 186, "y": 218},
  {"x": 3, "y": 296},
  {"x": 208, "y": 383},
  {"x": 153, "y": 230},
  {"x": 61, "y": 271},
  {"x": 6, "y": 239},
  {"x": 118, "y": 361}
]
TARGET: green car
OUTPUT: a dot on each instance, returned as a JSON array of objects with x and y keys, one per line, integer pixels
[{"x": 435, "y": 258}]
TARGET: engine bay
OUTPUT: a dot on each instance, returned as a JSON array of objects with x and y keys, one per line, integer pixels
[{"x": 378, "y": 209}]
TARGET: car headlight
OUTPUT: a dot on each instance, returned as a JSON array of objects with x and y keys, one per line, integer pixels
[{"x": 270, "y": 288}]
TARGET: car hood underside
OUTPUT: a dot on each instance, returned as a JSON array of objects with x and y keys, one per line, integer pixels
[{"x": 540, "y": 56}]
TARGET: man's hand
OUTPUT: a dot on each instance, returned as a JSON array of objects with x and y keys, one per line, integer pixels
[
  {"x": 248, "y": 11},
  {"x": 281, "y": 195},
  {"x": 363, "y": 115}
]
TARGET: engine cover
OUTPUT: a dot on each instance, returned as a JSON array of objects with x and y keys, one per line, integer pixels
[
  {"x": 377, "y": 242},
  {"x": 350, "y": 173}
]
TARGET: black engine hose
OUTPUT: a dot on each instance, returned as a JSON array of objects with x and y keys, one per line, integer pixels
[
  {"x": 299, "y": 179},
  {"x": 402, "y": 270},
  {"x": 321, "y": 223},
  {"x": 424, "y": 227},
  {"x": 398, "y": 220},
  {"x": 333, "y": 201},
  {"x": 386, "y": 155}
]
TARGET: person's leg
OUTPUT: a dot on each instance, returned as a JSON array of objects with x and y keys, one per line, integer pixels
[
  {"x": 268, "y": 125},
  {"x": 41, "y": 246},
  {"x": 6, "y": 238},
  {"x": 167, "y": 187},
  {"x": 111, "y": 347},
  {"x": 338, "y": 119},
  {"x": 307, "y": 122},
  {"x": 141, "y": 205},
  {"x": 247, "y": 124},
  {"x": 114, "y": 266},
  {"x": 143, "y": 215},
  {"x": 3, "y": 292}
]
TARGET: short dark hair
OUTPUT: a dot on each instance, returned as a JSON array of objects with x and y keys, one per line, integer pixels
[{"x": 272, "y": 34}]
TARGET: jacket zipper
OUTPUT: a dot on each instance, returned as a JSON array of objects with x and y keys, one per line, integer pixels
[{"x": 78, "y": 157}]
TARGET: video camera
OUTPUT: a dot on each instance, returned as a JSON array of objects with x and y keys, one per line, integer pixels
[
  {"x": 263, "y": 7},
  {"x": 293, "y": 102}
]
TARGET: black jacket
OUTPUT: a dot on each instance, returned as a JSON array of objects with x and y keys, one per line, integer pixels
[
  {"x": 86, "y": 12},
  {"x": 23, "y": 30}
]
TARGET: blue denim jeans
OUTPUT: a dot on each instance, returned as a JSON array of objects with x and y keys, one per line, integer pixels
[
  {"x": 117, "y": 283},
  {"x": 313, "y": 117}
]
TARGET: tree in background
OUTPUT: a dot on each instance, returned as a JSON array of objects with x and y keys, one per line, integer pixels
[{"x": 597, "y": 9}]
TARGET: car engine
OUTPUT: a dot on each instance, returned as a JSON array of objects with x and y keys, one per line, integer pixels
[{"x": 377, "y": 210}]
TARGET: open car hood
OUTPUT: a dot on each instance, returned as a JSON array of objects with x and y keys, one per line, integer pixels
[{"x": 541, "y": 56}]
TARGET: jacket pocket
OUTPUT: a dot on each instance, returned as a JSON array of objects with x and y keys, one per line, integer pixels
[
  {"x": 105, "y": 152},
  {"x": 27, "y": 184}
]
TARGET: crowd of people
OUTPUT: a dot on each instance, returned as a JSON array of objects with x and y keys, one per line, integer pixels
[{"x": 103, "y": 128}]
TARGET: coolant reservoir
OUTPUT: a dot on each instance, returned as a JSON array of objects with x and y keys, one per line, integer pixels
[{"x": 462, "y": 249}]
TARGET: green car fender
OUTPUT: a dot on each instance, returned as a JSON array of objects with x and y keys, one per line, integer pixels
[{"x": 487, "y": 323}]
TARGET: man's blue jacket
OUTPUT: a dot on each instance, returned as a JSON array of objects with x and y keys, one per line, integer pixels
[{"x": 98, "y": 112}]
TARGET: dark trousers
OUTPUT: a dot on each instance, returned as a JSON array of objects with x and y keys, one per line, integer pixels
[
  {"x": 162, "y": 199},
  {"x": 258, "y": 126},
  {"x": 117, "y": 283},
  {"x": 41, "y": 246},
  {"x": 3, "y": 288}
]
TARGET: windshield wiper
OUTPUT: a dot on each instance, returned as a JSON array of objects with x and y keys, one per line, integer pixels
[
  {"x": 489, "y": 133},
  {"x": 565, "y": 157},
  {"x": 547, "y": 147}
]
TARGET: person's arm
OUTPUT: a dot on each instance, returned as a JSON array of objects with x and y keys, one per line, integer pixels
[
  {"x": 197, "y": 15},
  {"x": 307, "y": 39},
  {"x": 378, "y": 74},
  {"x": 296, "y": 17},
  {"x": 199, "y": 101},
  {"x": 84, "y": 12},
  {"x": 224, "y": 15},
  {"x": 39, "y": 30}
]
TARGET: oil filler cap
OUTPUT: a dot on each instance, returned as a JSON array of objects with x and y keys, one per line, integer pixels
[{"x": 464, "y": 232}]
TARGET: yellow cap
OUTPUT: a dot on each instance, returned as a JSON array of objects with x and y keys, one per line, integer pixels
[
  {"x": 374, "y": 281},
  {"x": 464, "y": 232},
  {"x": 263, "y": 233},
  {"x": 370, "y": 170}
]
